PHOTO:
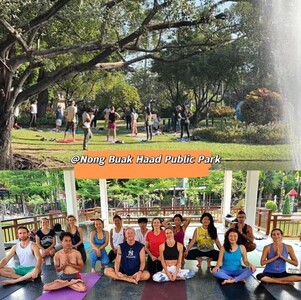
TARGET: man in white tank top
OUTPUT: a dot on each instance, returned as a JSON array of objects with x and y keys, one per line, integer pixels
[
  {"x": 116, "y": 237},
  {"x": 29, "y": 257}
]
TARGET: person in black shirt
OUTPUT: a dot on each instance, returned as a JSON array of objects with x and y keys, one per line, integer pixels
[{"x": 171, "y": 254}]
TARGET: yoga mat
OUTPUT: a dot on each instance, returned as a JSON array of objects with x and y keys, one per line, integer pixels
[
  {"x": 164, "y": 290},
  {"x": 66, "y": 293},
  {"x": 250, "y": 290},
  {"x": 8, "y": 289},
  {"x": 69, "y": 141}
]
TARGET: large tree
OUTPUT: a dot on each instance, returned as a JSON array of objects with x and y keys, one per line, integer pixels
[{"x": 44, "y": 42}]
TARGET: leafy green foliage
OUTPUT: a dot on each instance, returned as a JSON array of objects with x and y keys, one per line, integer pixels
[
  {"x": 286, "y": 210},
  {"x": 116, "y": 91},
  {"x": 221, "y": 111},
  {"x": 271, "y": 205},
  {"x": 229, "y": 134},
  {"x": 262, "y": 106},
  {"x": 270, "y": 134}
]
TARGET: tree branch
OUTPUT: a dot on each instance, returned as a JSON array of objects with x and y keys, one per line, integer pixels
[
  {"x": 13, "y": 32},
  {"x": 35, "y": 23}
]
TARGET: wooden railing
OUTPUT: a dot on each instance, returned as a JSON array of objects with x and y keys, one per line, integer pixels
[
  {"x": 10, "y": 227},
  {"x": 265, "y": 221},
  {"x": 130, "y": 215},
  {"x": 289, "y": 224}
]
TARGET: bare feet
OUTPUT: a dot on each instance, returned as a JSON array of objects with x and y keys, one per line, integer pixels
[
  {"x": 7, "y": 282},
  {"x": 132, "y": 280},
  {"x": 231, "y": 280},
  {"x": 93, "y": 270}
]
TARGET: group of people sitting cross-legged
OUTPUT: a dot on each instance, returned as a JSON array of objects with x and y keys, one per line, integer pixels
[{"x": 143, "y": 253}]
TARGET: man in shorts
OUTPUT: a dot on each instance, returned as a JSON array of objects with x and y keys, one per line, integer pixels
[
  {"x": 70, "y": 115},
  {"x": 69, "y": 262},
  {"x": 29, "y": 257}
]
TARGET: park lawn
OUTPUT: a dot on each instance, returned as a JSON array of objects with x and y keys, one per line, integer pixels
[{"x": 241, "y": 156}]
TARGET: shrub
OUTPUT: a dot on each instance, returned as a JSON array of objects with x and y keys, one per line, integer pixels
[
  {"x": 222, "y": 111},
  {"x": 269, "y": 134},
  {"x": 228, "y": 134},
  {"x": 262, "y": 106},
  {"x": 241, "y": 203},
  {"x": 271, "y": 205},
  {"x": 286, "y": 210}
]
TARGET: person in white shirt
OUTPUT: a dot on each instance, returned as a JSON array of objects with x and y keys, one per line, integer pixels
[
  {"x": 87, "y": 119},
  {"x": 142, "y": 231},
  {"x": 33, "y": 114},
  {"x": 116, "y": 237},
  {"x": 29, "y": 257}
]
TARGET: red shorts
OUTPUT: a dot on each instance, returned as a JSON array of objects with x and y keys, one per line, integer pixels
[{"x": 112, "y": 125}]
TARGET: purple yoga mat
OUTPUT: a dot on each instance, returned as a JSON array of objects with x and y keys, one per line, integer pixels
[{"x": 66, "y": 293}]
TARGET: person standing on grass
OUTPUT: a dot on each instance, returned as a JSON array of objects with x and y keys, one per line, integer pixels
[
  {"x": 134, "y": 119},
  {"x": 206, "y": 237},
  {"x": 229, "y": 260},
  {"x": 127, "y": 116},
  {"x": 184, "y": 121},
  {"x": 130, "y": 261},
  {"x": 87, "y": 118},
  {"x": 70, "y": 115},
  {"x": 99, "y": 240},
  {"x": 58, "y": 118},
  {"x": 113, "y": 116},
  {"x": 69, "y": 262},
  {"x": 246, "y": 235},
  {"x": 45, "y": 239},
  {"x": 148, "y": 123},
  {"x": 33, "y": 114},
  {"x": 274, "y": 257},
  {"x": 116, "y": 237},
  {"x": 77, "y": 236},
  {"x": 29, "y": 257}
]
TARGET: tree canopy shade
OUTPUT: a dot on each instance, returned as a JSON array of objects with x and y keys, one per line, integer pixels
[{"x": 43, "y": 42}]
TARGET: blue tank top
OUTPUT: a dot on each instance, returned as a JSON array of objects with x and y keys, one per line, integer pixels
[
  {"x": 130, "y": 258},
  {"x": 97, "y": 241},
  {"x": 232, "y": 260},
  {"x": 278, "y": 265}
]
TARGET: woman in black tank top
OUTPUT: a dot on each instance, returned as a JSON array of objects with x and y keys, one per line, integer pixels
[
  {"x": 171, "y": 254},
  {"x": 113, "y": 116}
]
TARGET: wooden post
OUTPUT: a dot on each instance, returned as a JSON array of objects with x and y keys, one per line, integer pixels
[
  {"x": 269, "y": 218},
  {"x": 259, "y": 219},
  {"x": 275, "y": 220}
]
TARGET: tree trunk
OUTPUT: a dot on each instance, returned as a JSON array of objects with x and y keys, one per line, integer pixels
[
  {"x": 6, "y": 155},
  {"x": 42, "y": 103}
]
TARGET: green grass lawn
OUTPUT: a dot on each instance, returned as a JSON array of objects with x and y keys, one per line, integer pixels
[{"x": 234, "y": 156}]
